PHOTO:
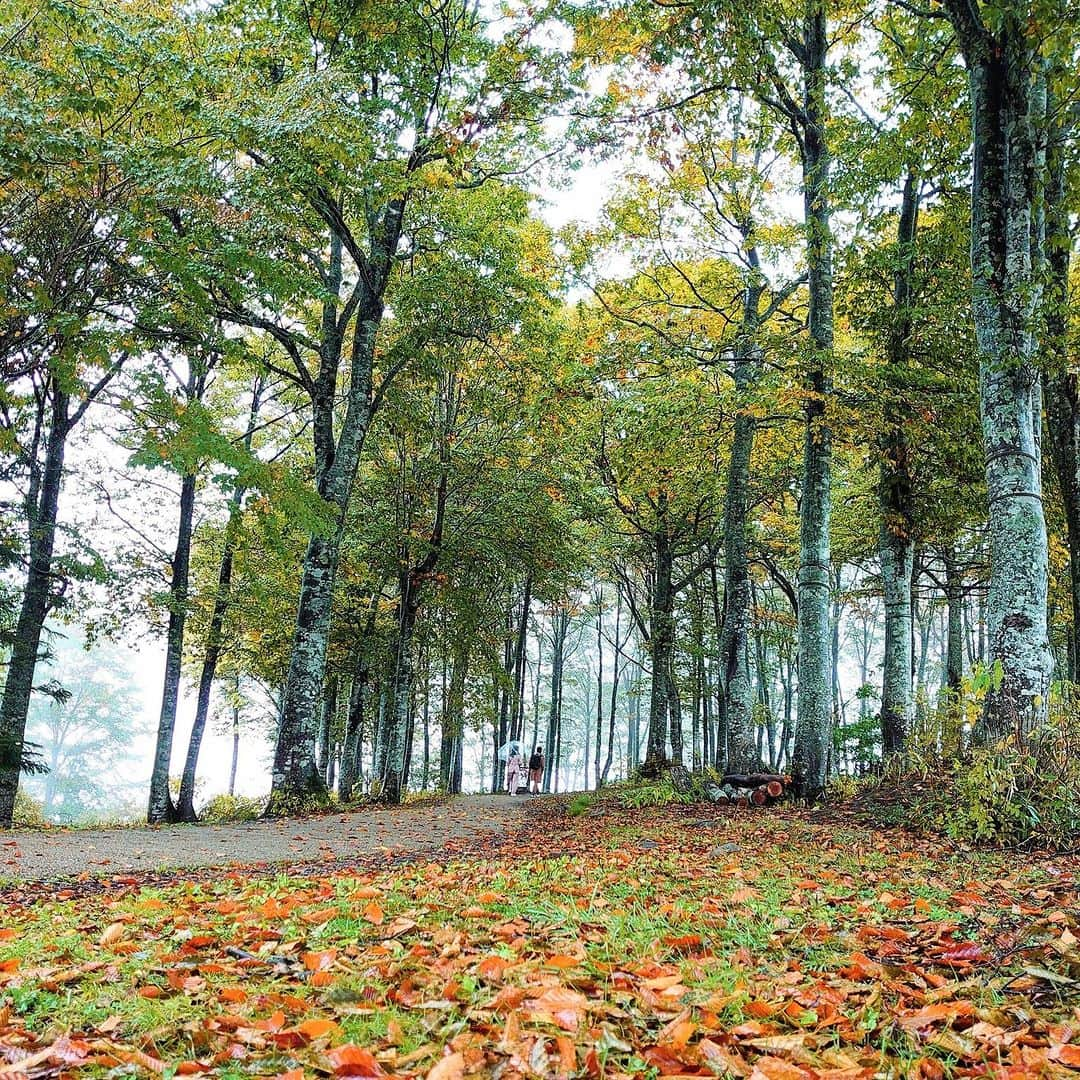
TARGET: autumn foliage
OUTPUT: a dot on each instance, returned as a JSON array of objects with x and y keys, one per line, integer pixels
[{"x": 708, "y": 942}]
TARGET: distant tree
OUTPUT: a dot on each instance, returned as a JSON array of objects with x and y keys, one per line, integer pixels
[{"x": 86, "y": 736}]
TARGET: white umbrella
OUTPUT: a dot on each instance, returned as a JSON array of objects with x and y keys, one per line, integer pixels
[{"x": 513, "y": 744}]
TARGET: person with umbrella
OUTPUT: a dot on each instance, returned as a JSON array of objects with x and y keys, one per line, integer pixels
[{"x": 513, "y": 767}]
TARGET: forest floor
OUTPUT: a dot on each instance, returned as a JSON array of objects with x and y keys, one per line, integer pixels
[
  {"x": 446, "y": 826},
  {"x": 688, "y": 941}
]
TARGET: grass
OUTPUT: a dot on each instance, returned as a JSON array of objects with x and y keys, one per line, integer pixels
[{"x": 813, "y": 944}]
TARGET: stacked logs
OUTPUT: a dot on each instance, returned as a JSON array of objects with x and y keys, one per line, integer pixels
[{"x": 749, "y": 789}]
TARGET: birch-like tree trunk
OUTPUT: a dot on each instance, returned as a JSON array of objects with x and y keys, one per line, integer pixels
[
  {"x": 737, "y": 682},
  {"x": 815, "y": 706},
  {"x": 896, "y": 544},
  {"x": 295, "y": 776},
  {"x": 560, "y": 625},
  {"x": 1061, "y": 391},
  {"x": 661, "y": 639},
  {"x": 1008, "y": 108}
]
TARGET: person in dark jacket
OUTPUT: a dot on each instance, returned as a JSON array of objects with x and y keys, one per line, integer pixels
[{"x": 536, "y": 770}]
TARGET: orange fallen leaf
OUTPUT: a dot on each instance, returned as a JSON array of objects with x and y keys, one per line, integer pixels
[
  {"x": 374, "y": 914},
  {"x": 352, "y": 1060},
  {"x": 323, "y": 915},
  {"x": 112, "y": 934},
  {"x": 316, "y": 1028},
  {"x": 773, "y": 1068},
  {"x": 1065, "y": 1054},
  {"x": 319, "y": 961},
  {"x": 450, "y": 1067},
  {"x": 563, "y": 962}
]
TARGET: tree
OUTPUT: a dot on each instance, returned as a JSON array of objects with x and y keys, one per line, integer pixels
[
  {"x": 69, "y": 211},
  {"x": 1006, "y": 54},
  {"x": 85, "y": 735}
]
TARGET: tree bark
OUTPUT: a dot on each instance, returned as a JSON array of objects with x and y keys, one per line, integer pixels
[
  {"x": 42, "y": 507},
  {"x": 185, "y": 806},
  {"x": 814, "y": 713},
  {"x": 954, "y": 636},
  {"x": 295, "y": 777},
  {"x": 560, "y": 624},
  {"x": 674, "y": 702},
  {"x": 599, "y": 690},
  {"x": 326, "y": 726},
  {"x": 615, "y": 675},
  {"x": 736, "y": 680},
  {"x": 1008, "y": 108},
  {"x": 1061, "y": 392},
  {"x": 661, "y": 638},
  {"x": 235, "y": 747},
  {"x": 453, "y": 721},
  {"x": 896, "y": 545},
  {"x": 160, "y": 807}
]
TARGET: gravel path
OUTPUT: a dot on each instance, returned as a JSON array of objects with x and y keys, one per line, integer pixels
[{"x": 464, "y": 824}]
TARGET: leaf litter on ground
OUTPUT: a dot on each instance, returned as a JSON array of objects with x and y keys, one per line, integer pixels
[{"x": 781, "y": 946}]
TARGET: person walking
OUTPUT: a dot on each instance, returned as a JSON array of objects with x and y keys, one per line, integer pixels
[
  {"x": 513, "y": 770},
  {"x": 536, "y": 770}
]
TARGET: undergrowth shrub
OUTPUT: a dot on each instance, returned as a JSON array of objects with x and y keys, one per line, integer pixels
[
  {"x": 1021, "y": 791},
  {"x": 28, "y": 812},
  {"x": 222, "y": 809},
  {"x": 658, "y": 792}
]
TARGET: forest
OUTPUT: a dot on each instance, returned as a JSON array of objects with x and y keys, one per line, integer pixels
[{"x": 672, "y": 385}]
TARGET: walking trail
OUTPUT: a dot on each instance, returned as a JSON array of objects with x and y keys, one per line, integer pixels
[{"x": 470, "y": 824}]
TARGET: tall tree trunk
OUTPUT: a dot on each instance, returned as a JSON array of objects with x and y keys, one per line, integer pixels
[
  {"x": 326, "y": 725},
  {"x": 160, "y": 807},
  {"x": 399, "y": 745},
  {"x": 736, "y": 680},
  {"x": 352, "y": 744},
  {"x": 675, "y": 716},
  {"x": 536, "y": 693},
  {"x": 426, "y": 719},
  {"x": 697, "y": 667},
  {"x": 501, "y": 730},
  {"x": 295, "y": 777},
  {"x": 661, "y": 638},
  {"x": 1008, "y": 107},
  {"x": 954, "y": 637},
  {"x": 235, "y": 747},
  {"x": 560, "y": 624},
  {"x": 393, "y": 776},
  {"x": 453, "y": 719},
  {"x": 896, "y": 545},
  {"x": 43, "y": 503},
  {"x": 615, "y": 675},
  {"x": 814, "y": 719},
  {"x": 599, "y": 689},
  {"x": 185, "y": 807},
  {"x": 764, "y": 679},
  {"x": 520, "y": 652},
  {"x": 1062, "y": 393}
]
